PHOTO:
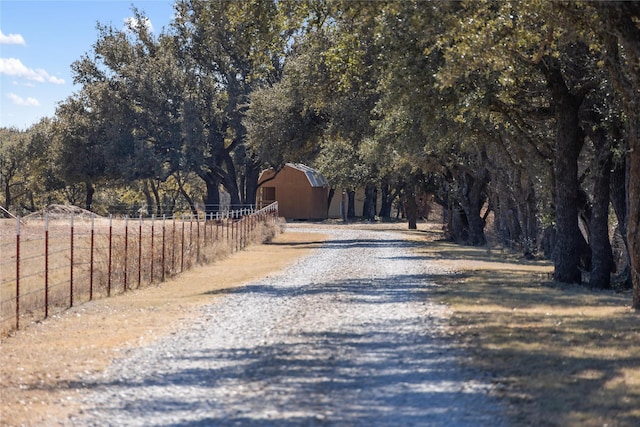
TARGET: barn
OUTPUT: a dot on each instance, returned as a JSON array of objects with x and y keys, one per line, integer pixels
[{"x": 301, "y": 192}]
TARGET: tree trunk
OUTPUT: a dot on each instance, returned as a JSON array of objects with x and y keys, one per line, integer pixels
[
  {"x": 501, "y": 224},
  {"x": 343, "y": 206},
  {"x": 351, "y": 211},
  {"x": 7, "y": 195},
  {"x": 32, "y": 202},
  {"x": 633, "y": 212},
  {"x": 618, "y": 22},
  {"x": 471, "y": 199},
  {"x": 500, "y": 199},
  {"x": 369, "y": 208},
  {"x": 618, "y": 195},
  {"x": 186, "y": 195},
  {"x": 251, "y": 182},
  {"x": 566, "y": 254},
  {"x": 147, "y": 195},
  {"x": 458, "y": 224},
  {"x": 411, "y": 210},
  {"x": 529, "y": 211},
  {"x": 601, "y": 253},
  {"x": 548, "y": 241},
  {"x": 227, "y": 171},
  {"x": 230, "y": 184},
  {"x": 90, "y": 191},
  {"x": 156, "y": 197},
  {"x": 189, "y": 200},
  {"x": 386, "y": 200},
  {"x": 212, "y": 198}
]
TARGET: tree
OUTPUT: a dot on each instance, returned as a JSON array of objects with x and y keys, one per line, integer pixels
[
  {"x": 14, "y": 156},
  {"x": 421, "y": 121},
  {"x": 316, "y": 113},
  {"x": 620, "y": 29},
  {"x": 45, "y": 184},
  {"x": 614, "y": 30},
  {"x": 280, "y": 127},
  {"x": 158, "y": 124},
  {"x": 28, "y": 167},
  {"x": 230, "y": 49},
  {"x": 79, "y": 145},
  {"x": 526, "y": 47}
]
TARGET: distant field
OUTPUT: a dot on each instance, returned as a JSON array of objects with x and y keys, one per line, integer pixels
[{"x": 108, "y": 257}]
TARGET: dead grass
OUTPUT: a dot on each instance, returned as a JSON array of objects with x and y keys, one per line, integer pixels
[
  {"x": 561, "y": 355},
  {"x": 151, "y": 252},
  {"x": 41, "y": 365}
]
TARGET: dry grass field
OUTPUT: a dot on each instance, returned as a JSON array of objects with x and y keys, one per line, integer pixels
[
  {"x": 562, "y": 355},
  {"x": 109, "y": 257}
]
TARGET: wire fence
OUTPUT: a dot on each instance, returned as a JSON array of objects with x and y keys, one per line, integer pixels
[
  {"x": 122, "y": 210},
  {"x": 50, "y": 264}
]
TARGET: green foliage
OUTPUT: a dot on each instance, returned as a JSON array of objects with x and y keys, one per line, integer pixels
[
  {"x": 422, "y": 95},
  {"x": 279, "y": 126},
  {"x": 14, "y": 156}
]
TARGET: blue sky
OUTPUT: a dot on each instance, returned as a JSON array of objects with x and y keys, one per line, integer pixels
[{"x": 40, "y": 39}]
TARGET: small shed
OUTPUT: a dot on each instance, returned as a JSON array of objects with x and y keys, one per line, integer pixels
[{"x": 301, "y": 192}]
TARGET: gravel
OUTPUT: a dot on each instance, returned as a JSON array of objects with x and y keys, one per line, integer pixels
[{"x": 344, "y": 337}]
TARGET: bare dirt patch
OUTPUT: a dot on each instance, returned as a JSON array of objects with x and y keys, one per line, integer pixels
[
  {"x": 41, "y": 365},
  {"x": 61, "y": 211}
]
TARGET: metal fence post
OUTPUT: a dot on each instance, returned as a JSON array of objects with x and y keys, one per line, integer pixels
[
  {"x": 173, "y": 245},
  {"x": 110, "y": 255},
  {"x": 182, "y": 247},
  {"x": 18, "y": 272},
  {"x": 71, "y": 266},
  {"x": 126, "y": 249},
  {"x": 164, "y": 234},
  {"x": 204, "y": 238},
  {"x": 91, "y": 258},
  {"x": 46, "y": 265},
  {"x": 198, "y": 237},
  {"x": 190, "y": 235},
  {"x": 139, "y": 250},
  {"x": 153, "y": 217}
]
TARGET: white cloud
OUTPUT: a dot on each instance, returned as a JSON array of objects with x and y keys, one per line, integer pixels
[
  {"x": 14, "y": 67},
  {"x": 22, "y": 102},
  {"x": 11, "y": 39},
  {"x": 132, "y": 23}
]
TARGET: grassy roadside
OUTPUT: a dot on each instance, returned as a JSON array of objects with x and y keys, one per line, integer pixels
[
  {"x": 41, "y": 365},
  {"x": 562, "y": 355}
]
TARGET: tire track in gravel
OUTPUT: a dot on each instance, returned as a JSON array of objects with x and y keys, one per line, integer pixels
[{"x": 344, "y": 337}]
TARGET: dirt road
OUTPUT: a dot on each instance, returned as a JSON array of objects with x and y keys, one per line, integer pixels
[{"x": 346, "y": 336}]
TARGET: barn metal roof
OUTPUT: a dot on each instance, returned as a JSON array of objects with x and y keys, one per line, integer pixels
[{"x": 315, "y": 178}]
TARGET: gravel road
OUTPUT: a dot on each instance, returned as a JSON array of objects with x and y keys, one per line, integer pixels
[{"x": 344, "y": 337}]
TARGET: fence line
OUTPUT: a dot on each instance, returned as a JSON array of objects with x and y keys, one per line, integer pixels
[{"x": 71, "y": 261}]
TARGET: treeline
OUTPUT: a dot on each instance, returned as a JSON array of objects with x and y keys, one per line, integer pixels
[{"x": 526, "y": 111}]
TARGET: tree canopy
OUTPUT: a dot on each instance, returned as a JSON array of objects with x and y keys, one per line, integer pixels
[{"x": 519, "y": 118}]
